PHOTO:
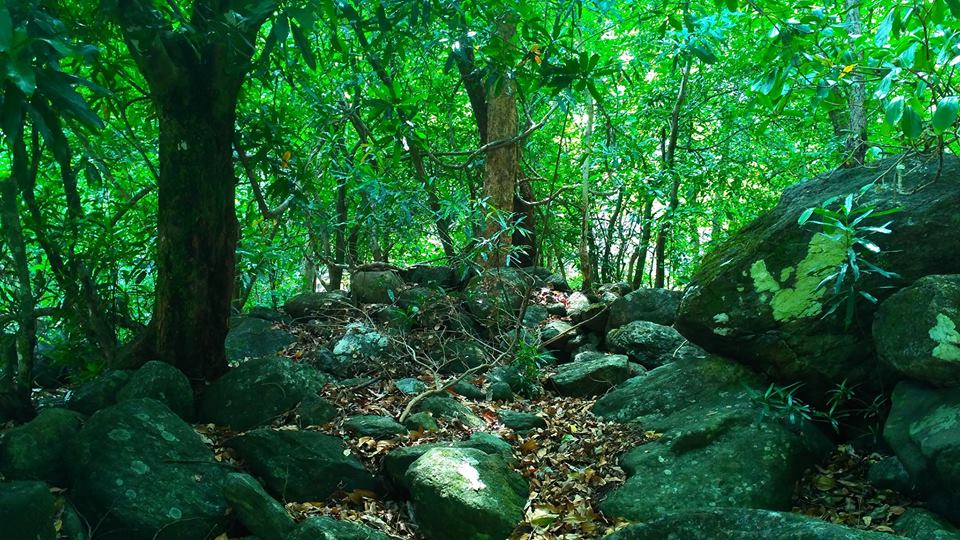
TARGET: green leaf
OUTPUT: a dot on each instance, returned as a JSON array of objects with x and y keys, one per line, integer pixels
[
  {"x": 304, "y": 45},
  {"x": 911, "y": 124},
  {"x": 883, "y": 31},
  {"x": 894, "y": 110},
  {"x": 805, "y": 216},
  {"x": 703, "y": 52},
  {"x": 954, "y": 6},
  {"x": 6, "y": 30},
  {"x": 946, "y": 114},
  {"x": 23, "y": 77}
]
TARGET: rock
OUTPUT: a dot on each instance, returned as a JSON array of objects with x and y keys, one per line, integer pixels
[
  {"x": 324, "y": 528},
  {"x": 254, "y": 337},
  {"x": 14, "y": 406},
  {"x": 164, "y": 383},
  {"x": 557, "y": 309},
  {"x": 559, "y": 332},
  {"x": 459, "y": 355},
  {"x": 431, "y": 276},
  {"x": 268, "y": 314},
  {"x": 356, "y": 351},
  {"x": 717, "y": 449},
  {"x": 534, "y": 315},
  {"x": 141, "y": 473},
  {"x": 410, "y": 386},
  {"x": 421, "y": 421},
  {"x": 742, "y": 524},
  {"x": 39, "y": 449},
  {"x": 756, "y": 299},
  {"x": 591, "y": 374},
  {"x": 451, "y": 409},
  {"x": 520, "y": 421},
  {"x": 507, "y": 374},
  {"x": 469, "y": 391},
  {"x": 889, "y": 473},
  {"x": 389, "y": 317},
  {"x": 315, "y": 411},
  {"x": 257, "y": 511},
  {"x": 27, "y": 511},
  {"x": 495, "y": 296},
  {"x": 97, "y": 393},
  {"x": 544, "y": 277},
  {"x": 301, "y": 466},
  {"x": 920, "y": 524},
  {"x": 915, "y": 331},
  {"x": 258, "y": 391},
  {"x": 378, "y": 427},
  {"x": 658, "y": 306},
  {"x": 377, "y": 287},
  {"x": 460, "y": 493},
  {"x": 923, "y": 429},
  {"x": 500, "y": 391},
  {"x": 650, "y": 344},
  {"x": 323, "y": 305},
  {"x": 397, "y": 461}
]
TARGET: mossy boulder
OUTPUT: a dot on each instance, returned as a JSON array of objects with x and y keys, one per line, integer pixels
[
  {"x": 254, "y": 337},
  {"x": 650, "y": 344},
  {"x": 301, "y": 465},
  {"x": 717, "y": 449},
  {"x": 921, "y": 524},
  {"x": 257, "y": 511},
  {"x": 923, "y": 429},
  {"x": 590, "y": 374},
  {"x": 916, "y": 331},
  {"x": 27, "y": 511},
  {"x": 742, "y": 524},
  {"x": 652, "y": 305},
  {"x": 164, "y": 383},
  {"x": 356, "y": 350},
  {"x": 495, "y": 296},
  {"x": 450, "y": 409},
  {"x": 375, "y": 287},
  {"x": 319, "y": 305},
  {"x": 141, "y": 473},
  {"x": 39, "y": 449},
  {"x": 397, "y": 461},
  {"x": 459, "y": 355},
  {"x": 430, "y": 276},
  {"x": 756, "y": 297},
  {"x": 378, "y": 427},
  {"x": 98, "y": 393},
  {"x": 258, "y": 391},
  {"x": 521, "y": 421},
  {"x": 465, "y": 494},
  {"x": 324, "y": 528}
]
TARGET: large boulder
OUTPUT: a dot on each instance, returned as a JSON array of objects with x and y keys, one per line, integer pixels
[
  {"x": 461, "y": 493},
  {"x": 742, "y": 524},
  {"x": 652, "y": 305},
  {"x": 322, "y": 305},
  {"x": 590, "y": 374},
  {"x": 301, "y": 466},
  {"x": 375, "y": 287},
  {"x": 39, "y": 450},
  {"x": 98, "y": 393},
  {"x": 430, "y": 276},
  {"x": 324, "y": 528},
  {"x": 141, "y": 473},
  {"x": 162, "y": 382},
  {"x": 916, "y": 331},
  {"x": 923, "y": 429},
  {"x": 650, "y": 344},
  {"x": 258, "y": 391},
  {"x": 398, "y": 461},
  {"x": 757, "y": 299},
  {"x": 920, "y": 524},
  {"x": 27, "y": 511},
  {"x": 257, "y": 511},
  {"x": 255, "y": 337},
  {"x": 717, "y": 449}
]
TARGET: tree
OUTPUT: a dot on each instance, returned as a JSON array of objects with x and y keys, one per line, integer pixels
[{"x": 195, "y": 65}]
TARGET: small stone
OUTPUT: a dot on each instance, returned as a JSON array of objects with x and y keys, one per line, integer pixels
[
  {"x": 378, "y": 427},
  {"x": 521, "y": 421}
]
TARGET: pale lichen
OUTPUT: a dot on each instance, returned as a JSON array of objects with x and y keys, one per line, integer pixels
[{"x": 945, "y": 334}]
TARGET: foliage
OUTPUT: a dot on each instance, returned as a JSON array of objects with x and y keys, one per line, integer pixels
[
  {"x": 842, "y": 405},
  {"x": 847, "y": 226}
]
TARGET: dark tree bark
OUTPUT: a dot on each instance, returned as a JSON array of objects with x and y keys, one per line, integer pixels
[
  {"x": 195, "y": 77},
  {"x": 855, "y": 144},
  {"x": 669, "y": 163}
]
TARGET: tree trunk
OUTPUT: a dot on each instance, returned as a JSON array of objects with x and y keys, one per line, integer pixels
[
  {"x": 502, "y": 161},
  {"x": 586, "y": 267},
  {"x": 669, "y": 162},
  {"x": 646, "y": 232},
  {"x": 26, "y": 336},
  {"x": 855, "y": 145}
]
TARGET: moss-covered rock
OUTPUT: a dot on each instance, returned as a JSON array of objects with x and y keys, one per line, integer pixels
[
  {"x": 164, "y": 383},
  {"x": 396, "y": 462},
  {"x": 375, "y": 287},
  {"x": 322, "y": 305},
  {"x": 923, "y": 429},
  {"x": 257, "y": 511},
  {"x": 920, "y": 524},
  {"x": 450, "y": 409},
  {"x": 465, "y": 494},
  {"x": 98, "y": 393},
  {"x": 141, "y": 473},
  {"x": 916, "y": 331},
  {"x": 430, "y": 276},
  {"x": 590, "y": 374},
  {"x": 650, "y": 344},
  {"x": 356, "y": 350},
  {"x": 301, "y": 465},
  {"x": 756, "y": 297},
  {"x": 255, "y": 337},
  {"x": 495, "y": 296},
  {"x": 258, "y": 391},
  {"x": 27, "y": 511},
  {"x": 654, "y": 305},
  {"x": 39, "y": 449},
  {"x": 324, "y": 528},
  {"x": 378, "y": 427},
  {"x": 742, "y": 524},
  {"x": 521, "y": 421}
]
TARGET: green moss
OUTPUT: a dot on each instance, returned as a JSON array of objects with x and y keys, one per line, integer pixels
[
  {"x": 802, "y": 300},
  {"x": 947, "y": 338}
]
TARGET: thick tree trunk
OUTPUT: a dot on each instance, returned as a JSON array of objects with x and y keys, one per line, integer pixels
[
  {"x": 197, "y": 228},
  {"x": 855, "y": 145},
  {"x": 502, "y": 161},
  {"x": 26, "y": 336}
]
